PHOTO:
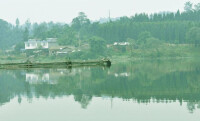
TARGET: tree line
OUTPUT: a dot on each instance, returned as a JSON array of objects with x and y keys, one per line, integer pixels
[{"x": 169, "y": 27}]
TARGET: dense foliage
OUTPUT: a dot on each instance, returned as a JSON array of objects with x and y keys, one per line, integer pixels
[
  {"x": 175, "y": 28},
  {"x": 9, "y": 35}
]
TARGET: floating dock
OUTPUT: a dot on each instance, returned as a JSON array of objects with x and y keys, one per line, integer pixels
[{"x": 66, "y": 64}]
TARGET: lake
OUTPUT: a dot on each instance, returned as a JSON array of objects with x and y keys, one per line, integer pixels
[{"x": 143, "y": 90}]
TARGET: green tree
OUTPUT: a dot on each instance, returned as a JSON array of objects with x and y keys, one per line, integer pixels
[
  {"x": 17, "y": 23},
  {"x": 193, "y": 35},
  {"x": 79, "y": 24},
  {"x": 28, "y": 24},
  {"x": 188, "y": 6},
  {"x": 178, "y": 15},
  {"x": 153, "y": 43},
  {"x": 26, "y": 30},
  {"x": 68, "y": 38},
  {"x": 143, "y": 36},
  {"x": 80, "y": 21},
  {"x": 97, "y": 46},
  {"x": 25, "y": 34},
  {"x": 19, "y": 46},
  {"x": 197, "y": 7},
  {"x": 40, "y": 30},
  {"x": 132, "y": 45},
  {"x": 9, "y": 35}
]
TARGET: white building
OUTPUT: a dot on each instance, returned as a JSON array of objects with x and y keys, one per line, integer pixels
[
  {"x": 37, "y": 44},
  {"x": 122, "y": 43}
]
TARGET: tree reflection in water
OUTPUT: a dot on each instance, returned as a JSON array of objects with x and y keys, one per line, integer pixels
[{"x": 143, "y": 81}]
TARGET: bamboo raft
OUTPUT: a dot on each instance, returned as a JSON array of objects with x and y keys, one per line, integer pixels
[{"x": 66, "y": 64}]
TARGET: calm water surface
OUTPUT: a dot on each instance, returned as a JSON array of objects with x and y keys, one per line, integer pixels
[{"x": 139, "y": 90}]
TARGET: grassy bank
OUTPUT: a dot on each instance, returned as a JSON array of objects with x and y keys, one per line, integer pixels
[{"x": 166, "y": 51}]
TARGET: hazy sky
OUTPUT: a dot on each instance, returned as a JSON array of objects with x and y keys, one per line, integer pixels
[{"x": 66, "y": 10}]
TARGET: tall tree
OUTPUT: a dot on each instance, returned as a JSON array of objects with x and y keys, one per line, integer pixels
[
  {"x": 188, "y": 6},
  {"x": 26, "y": 34},
  {"x": 177, "y": 15},
  {"x": 26, "y": 30},
  {"x": 197, "y": 7},
  {"x": 28, "y": 24},
  {"x": 80, "y": 21},
  {"x": 17, "y": 23}
]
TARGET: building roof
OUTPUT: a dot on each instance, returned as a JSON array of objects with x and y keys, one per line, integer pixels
[
  {"x": 42, "y": 41},
  {"x": 51, "y": 39}
]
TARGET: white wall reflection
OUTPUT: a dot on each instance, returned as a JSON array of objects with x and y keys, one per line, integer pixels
[
  {"x": 125, "y": 74},
  {"x": 32, "y": 78}
]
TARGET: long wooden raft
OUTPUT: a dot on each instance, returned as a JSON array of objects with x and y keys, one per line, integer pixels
[{"x": 66, "y": 64}]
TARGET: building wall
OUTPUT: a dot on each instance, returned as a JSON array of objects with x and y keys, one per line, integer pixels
[
  {"x": 44, "y": 45},
  {"x": 30, "y": 45},
  {"x": 36, "y": 45}
]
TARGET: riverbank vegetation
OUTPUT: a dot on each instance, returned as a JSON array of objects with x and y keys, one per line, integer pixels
[{"x": 156, "y": 35}]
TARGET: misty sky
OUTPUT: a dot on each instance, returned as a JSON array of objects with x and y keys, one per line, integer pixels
[{"x": 66, "y": 10}]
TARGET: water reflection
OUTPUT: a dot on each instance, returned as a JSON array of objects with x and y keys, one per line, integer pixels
[{"x": 141, "y": 81}]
